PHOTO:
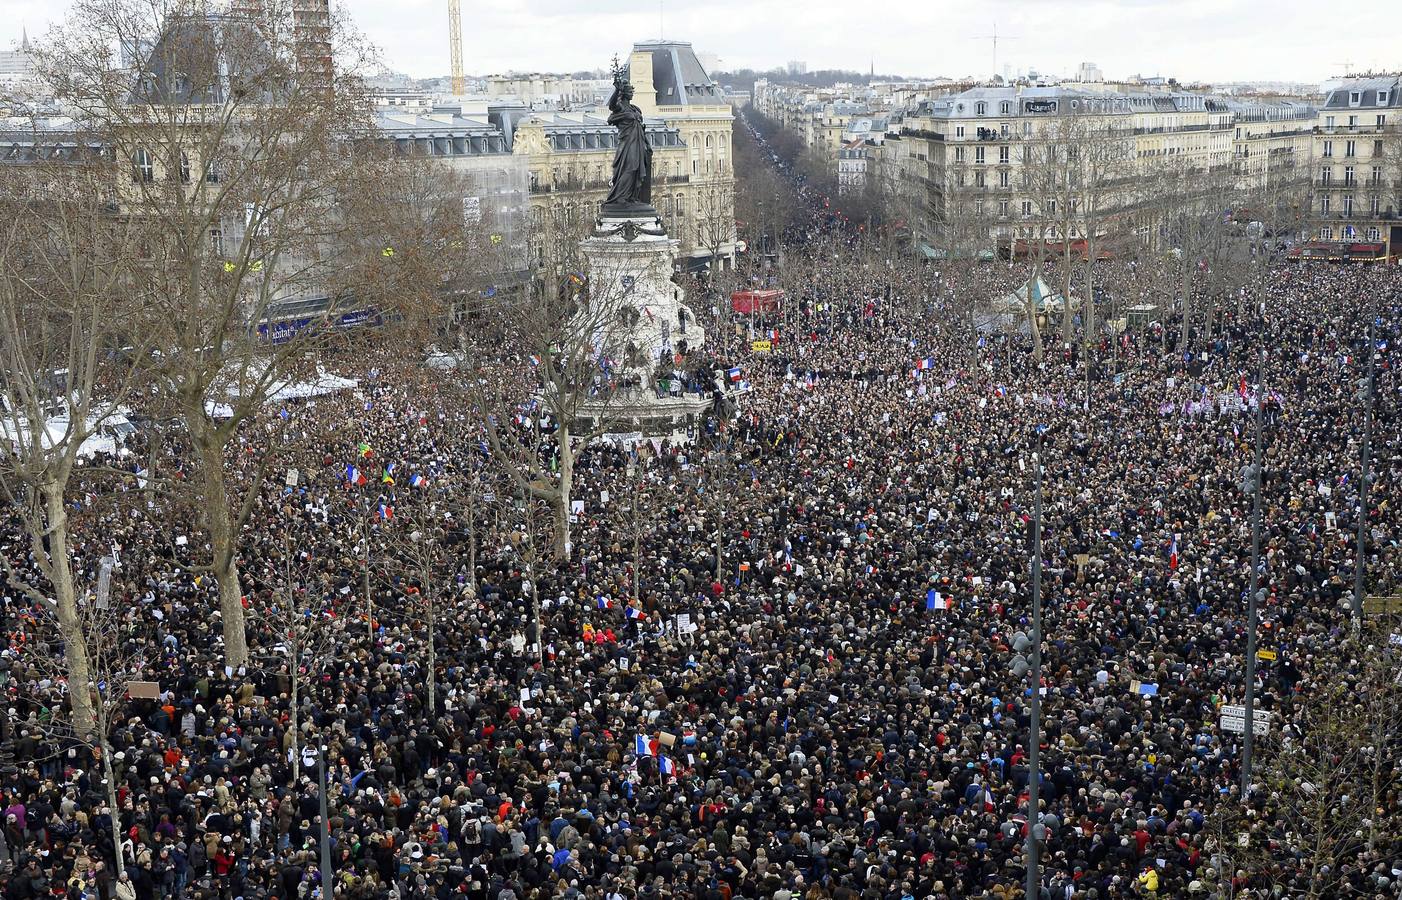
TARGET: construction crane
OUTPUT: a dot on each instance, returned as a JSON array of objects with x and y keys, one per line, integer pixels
[{"x": 455, "y": 44}]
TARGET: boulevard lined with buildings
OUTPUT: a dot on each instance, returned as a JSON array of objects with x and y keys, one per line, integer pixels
[{"x": 968, "y": 168}]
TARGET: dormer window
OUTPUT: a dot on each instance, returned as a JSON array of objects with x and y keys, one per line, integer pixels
[
  {"x": 980, "y": 108},
  {"x": 1006, "y": 107},
  {"x": 1383, "y": 97},
  {"x": 1355, "y": 98}
]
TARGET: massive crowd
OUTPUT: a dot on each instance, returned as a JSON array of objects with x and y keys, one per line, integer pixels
[{"x": 836, "y": 713}]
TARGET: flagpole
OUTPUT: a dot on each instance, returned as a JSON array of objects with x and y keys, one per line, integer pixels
[
  {"x": 1361, "y": 547},
  {"x": 1035, "y": 676},
  {"x": 1251, "y": 601}
]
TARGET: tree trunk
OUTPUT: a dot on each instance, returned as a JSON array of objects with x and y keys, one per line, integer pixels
[
  {"x": 563, "y": 494},
  {"x": 223, "y": 546},
  {"x": 115, "y": 820},
  {"x": 1088, "y": 302},
  {"x": 432, "y": 652},
  {"x": 70, "y": 626},
  {"x": 365, "y": 580},
  {"x": 295, "y": 749},
  {"x": 1067, "y": 327}
]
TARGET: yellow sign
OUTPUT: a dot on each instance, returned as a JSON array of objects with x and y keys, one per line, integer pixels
[
  {"x": 1267, "y": 655},
  {"x": 761, "y": 346}
]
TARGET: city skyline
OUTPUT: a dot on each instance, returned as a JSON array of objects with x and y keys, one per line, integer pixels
[{"x": 1193, "y": 40}]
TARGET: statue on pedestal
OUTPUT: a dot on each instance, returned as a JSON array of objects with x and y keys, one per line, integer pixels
[{"x": 631, "y": 192}]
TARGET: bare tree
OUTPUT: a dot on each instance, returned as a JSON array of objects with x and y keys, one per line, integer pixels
[
  {"x": 299, "y": 631},
  {"x": 114, "y": 657},
  {"x": 569, "y": 360},
  {"x": 68, "y": 287},
  {"x": 1320, "y": 797},
  {"x": 234, "y": 134}
]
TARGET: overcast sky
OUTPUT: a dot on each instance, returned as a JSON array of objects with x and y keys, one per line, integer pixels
[{"x": 1216, "y": 40}]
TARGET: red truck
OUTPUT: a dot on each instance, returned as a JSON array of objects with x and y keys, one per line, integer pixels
[{"x": 750, "y": 302}]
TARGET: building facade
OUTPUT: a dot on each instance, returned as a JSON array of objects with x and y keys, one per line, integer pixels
[
  {"x": 1356, "y": 185},
  {"x": 562, "y": 160}
]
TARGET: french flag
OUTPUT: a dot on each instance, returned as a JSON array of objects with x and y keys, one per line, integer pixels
[
  {"x": 386, "y": 511},
  {"x": 604, "y": 602},
  {"x": 1173, "y": 553},
  {"x": 733, "y": 375},
  {"x": 934, "y": 600},
  {"x": 633, "y": 612},
  {"x": 354, "y": 475},
  {"x": 417, "y": 481},
  {"x": 642, "y": 746},
  {"x": 666, "y": 766},
  {"x": 926, "y": 363},
  {"x": 535, "y": 360}
]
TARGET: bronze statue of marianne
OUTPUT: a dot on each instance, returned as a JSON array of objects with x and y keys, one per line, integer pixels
[{"x": 631, "y": 192}]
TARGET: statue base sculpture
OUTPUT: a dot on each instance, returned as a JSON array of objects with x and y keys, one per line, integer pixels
[
  {"x": 628, "y": 211},
  {"x": 630, "y": 259}
]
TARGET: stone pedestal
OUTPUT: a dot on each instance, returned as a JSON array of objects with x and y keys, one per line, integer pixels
[{"x": 630, "y": 260}]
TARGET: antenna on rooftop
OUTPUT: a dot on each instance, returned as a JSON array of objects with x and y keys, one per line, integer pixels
[
  {"x": 1348, "y": 67},
  {"x": 995, "y": 37}
]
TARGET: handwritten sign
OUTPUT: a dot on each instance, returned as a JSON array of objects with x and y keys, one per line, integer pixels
[{"x": 761, "y": 346}]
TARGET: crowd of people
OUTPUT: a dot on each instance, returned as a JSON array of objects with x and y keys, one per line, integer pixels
[{"x": 778, "y": 661}]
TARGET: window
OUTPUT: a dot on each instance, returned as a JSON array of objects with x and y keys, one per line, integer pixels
[
  {"x": 958, "y": 130},
  {"x": 1350, "y": 148},
  {"x": 1348, "y": 207},
  {"x": 978, "y": 179},
  {"x": 1382, "y": 121},
  {"x": 1377, "y": 148},
  {"x": 959, "y": 154},
  {"x": 1353, "y": 121},
  {"x": 1006, "y": 129},
  {"x": 1051, "y": 207},
  {"x": 1326, "y": 175},
  {"x": 1375, "y": 234},
  {"x": 143, "y": 168},
  {"x": 1348, "y": 174},
  {"x": 1004, "y": 155},
  {"x": 1026, "y": 127},
  {"x": 1328, "y": 121},
  {"x": 978, "y": 208},
  {"x": 216, "y": 242},
  {"x": 696, "y": 170},
  {"x": 1355, "y": 98},
  {"x": 980, "y": 108},
  {"x": 1382, "y": 98},
  {"x": 184, "y": 168},
  {"x": 978, "y": 156},
  {"x": 1326, "y": 233},
  {"x": 1324, "y": 206},
  {"x": 1027, "y": 208},
  {"x": 1349, "y": 233},
  {"x": 1373, "y": 204},
  {"x": 1002, "y": 209},
  {"x": 1003, "y": 178},
  {"x": 1006, "y": 108},
  {"x": 1377, "y": 175}
]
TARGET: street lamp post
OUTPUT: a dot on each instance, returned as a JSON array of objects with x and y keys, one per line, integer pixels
[
  {"x": 1251, "y": 599},
  {"x": 1363, "y": 482},
  {"x": 326, "y": 877},
  {"x": 1035, "y": 678}
]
